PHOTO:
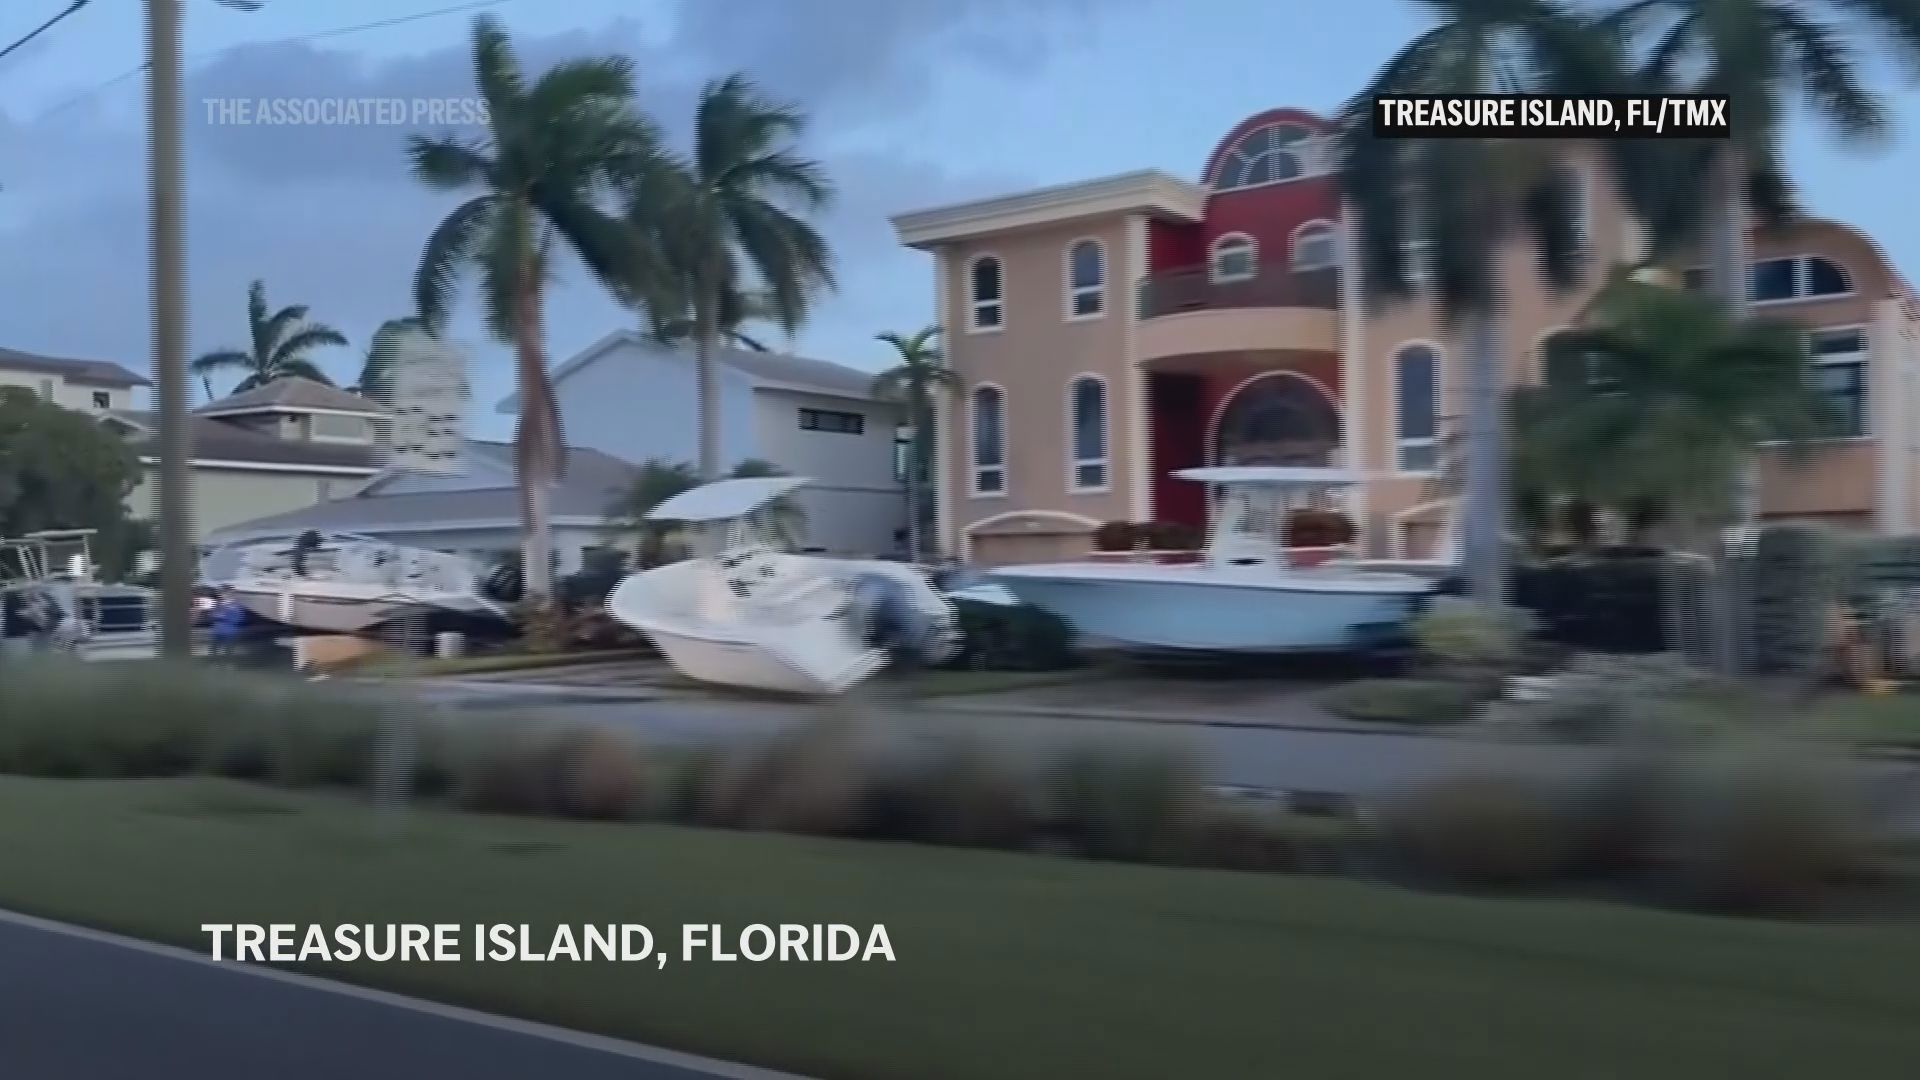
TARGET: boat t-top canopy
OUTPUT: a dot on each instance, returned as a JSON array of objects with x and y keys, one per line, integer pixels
[
  {"x": 725, "y": 499},
  {"x": 1286, "y": 476}
]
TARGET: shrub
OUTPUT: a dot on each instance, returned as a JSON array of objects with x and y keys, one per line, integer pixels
[
  {"x": 1608, "y": 604},
  {"x": 1314, "y": 527},
  {"x": 503, "y": 769},
  {"x": 1480, "y": 832},
  {"x": 999, "y": 637},
  {"x": 1174, "y": 536},
  {"x": 959, "y": 793},
  {"x": 1115, "y": 536},
  {"x": 1405, "y": 701},
  {"x": 544, "y": 626},
  {"x": 1797, "y": 580},
  {"x": 1470, "y": 638},
  {"x": 1233, "y": 835},
  {"x": 599, "y": 775},
  {"x": 809, "y": 780},
  {"x": 1763, "y": 828},
  {"x": 1602, "y": 696},
  {"x": 1135, "y": 805}
]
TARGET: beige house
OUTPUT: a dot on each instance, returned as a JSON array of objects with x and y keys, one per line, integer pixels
[
  {"x": 282, "y": 447},
  {"x": 1112, "y": 331}
]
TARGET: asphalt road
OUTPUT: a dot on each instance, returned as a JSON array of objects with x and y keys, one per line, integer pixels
[{"x": 74, "y": 1008}]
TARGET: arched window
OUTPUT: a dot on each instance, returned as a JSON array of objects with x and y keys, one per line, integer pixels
[
  {"x": 1234, "y": 257},
  {"x": 987, "y": 287},
  {"x": 1416, "y": 408},
  {"x": 1086, "y": 279},
  {"x": 1265, "y": 155},
  {"x": 1315, "y": 246},
  {"x": 989, "y": 440},
  {"x": 1277, "y": 419},
  {"x": 1826, "y": 278},
  {"x": 1087, "y": 421}
]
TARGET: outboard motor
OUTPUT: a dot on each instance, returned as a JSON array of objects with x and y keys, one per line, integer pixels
[{"x": 893, "y": 622}]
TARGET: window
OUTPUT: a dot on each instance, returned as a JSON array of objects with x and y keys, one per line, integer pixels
[
  {"x": 837, "y": 423},
  {"x": 1315, "y": 247},
  {"x": 1233, "y": 257},
  {"x": 102, "y": 399},
  {"x": 327, "y": 426},
  {"x": 1416, "y": 242},
  {"x": 1839, "y": 371},
  {"x": 989, "y": 440},
  {"x": 1416, "y": 371},
  {"x": 1266, "y": 155},
  {"x": 902, "y": 454},
  {"x": 1086, "y": 280},
  {"x": 1800, "y": 277},
  {"x": 988, "y": 286},
  {"x": 1087, "y": 420}
]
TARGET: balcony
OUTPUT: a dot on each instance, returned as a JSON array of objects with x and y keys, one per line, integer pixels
[{"x": 1273, "y": 285}]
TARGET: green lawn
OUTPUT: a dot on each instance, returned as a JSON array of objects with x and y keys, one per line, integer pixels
[
  {"x": 1009, "y": 966},
  {"x": 1885, "y": 720}
]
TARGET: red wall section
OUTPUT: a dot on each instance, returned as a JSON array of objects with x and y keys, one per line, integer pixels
[
  {"x": 1269, "y": 214},
  {"x": 1174, "y": 246},
  {"x": 1271, "y": 116},
  {"x": 1183, "y": 406}
]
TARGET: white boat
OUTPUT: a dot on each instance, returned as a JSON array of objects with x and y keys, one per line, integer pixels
[
  {"x": 48, "y": 586},
  {"x": 751, "y": 615},
  {"x": 340, "y": 583},
  {"x": 1244, "y": 595}
]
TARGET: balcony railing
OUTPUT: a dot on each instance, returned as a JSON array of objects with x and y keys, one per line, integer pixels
[{"x": 1271, "y": 285}]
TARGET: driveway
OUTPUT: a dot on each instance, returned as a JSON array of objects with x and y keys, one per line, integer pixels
[{"x": 77, "y": 1006}]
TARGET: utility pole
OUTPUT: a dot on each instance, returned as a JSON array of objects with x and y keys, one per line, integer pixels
[{"x": 165, "y": 180}]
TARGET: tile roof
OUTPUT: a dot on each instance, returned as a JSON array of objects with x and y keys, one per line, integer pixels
[
  {"x": 292, "y": 393},
  {"x": 97, "y": 372}
]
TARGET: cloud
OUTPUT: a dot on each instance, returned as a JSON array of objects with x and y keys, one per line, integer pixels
[{"x": 328, "y": 215}]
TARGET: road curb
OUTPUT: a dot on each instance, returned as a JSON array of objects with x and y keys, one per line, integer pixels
[
  {"x": 1328, "y": 727},
  {"x": 606, "y": 1044}
]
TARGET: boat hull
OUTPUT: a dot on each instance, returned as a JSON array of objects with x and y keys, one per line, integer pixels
[
  {"x": 811, "y": 652},
  {"x": 1165, "y": 615},
  {"x": 322, "y": 614}
]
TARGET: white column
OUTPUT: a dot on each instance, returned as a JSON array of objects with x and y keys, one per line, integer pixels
[
  {"x": 1353, "y": 375},
  {"x": 1139, "y": 414},
  {"x": 943, "y": 413}
]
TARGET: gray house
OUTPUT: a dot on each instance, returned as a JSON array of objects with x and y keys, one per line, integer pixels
[
  {"x": 635, "y": 399},
  {"x": 474, "y": 513}
]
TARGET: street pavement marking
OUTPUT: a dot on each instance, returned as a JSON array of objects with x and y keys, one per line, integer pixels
[{"x": 720, "y": 1070}]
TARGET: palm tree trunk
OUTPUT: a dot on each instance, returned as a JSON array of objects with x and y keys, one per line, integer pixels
[
  {"x": 1730, "y": 280},
  {"x": 920, "y": 470},
  {"x": 705, "y": 334},
  {"x": 1483, "y": 531},
  {"x": 164, "y": 177},
  {"x": 534, "y": 459}
]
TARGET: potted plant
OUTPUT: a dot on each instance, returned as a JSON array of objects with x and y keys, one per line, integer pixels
[
  {"x": 1315, "y": 535},
  {"x": 1115, "y": 541},
  {"x": 1174, "y": 542}
]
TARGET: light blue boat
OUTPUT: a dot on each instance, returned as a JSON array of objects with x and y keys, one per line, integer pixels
[{"x": 1243, "y": 595}]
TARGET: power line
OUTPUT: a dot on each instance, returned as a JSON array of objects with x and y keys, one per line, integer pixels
[
  {"x": 44, "y": 27},
  {"x": 317, "y": 35}
]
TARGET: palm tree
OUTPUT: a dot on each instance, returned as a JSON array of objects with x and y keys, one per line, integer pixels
[
  {"x": 279, "y": 344},
  {"x": 1766, "y": 56},
  {"x": 1443, "y": 210},
  {"x": 920, "y": 373},
  {"x": 1659, "y": 396},
  {"x": 556, "y": 150},
  {"x": 658, "y": 481},
  {"x": 738, "y": 309},
  {"x": 724, "y": 212}
]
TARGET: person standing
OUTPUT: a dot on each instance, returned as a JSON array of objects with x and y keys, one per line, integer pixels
[{"x": 226, "y": 623}]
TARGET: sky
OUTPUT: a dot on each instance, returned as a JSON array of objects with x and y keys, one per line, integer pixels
[{"x": 914, "y": 103}]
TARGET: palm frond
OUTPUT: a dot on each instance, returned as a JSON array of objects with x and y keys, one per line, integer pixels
[
  {"x": 221, "y": 360},
  {"x": 448, "y": 163},
  {"x": 305, "y": 340},
  {"x": 453, "y": 245}
]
